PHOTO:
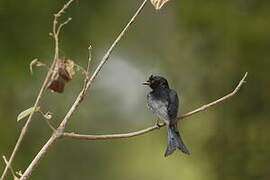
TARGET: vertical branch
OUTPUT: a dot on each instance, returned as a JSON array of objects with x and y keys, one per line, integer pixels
[
  {"x": 56, "y": 30},
  {"x": 89, "y": 60},
  {"x": 99, "y": 67},
  {"x": 25, "y": 128},
  {"x": 108, "y": 53},
  {"x": 11, "y": 169},
  {"x": 40, "y": 155},
  {"x": 88, "y": 67},
  {"x": 57, "y": 134}
]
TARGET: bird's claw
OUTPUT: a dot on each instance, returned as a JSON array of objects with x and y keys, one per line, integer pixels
[{"x": 159, "y": 124}]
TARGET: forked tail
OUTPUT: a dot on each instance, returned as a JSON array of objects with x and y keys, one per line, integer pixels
[{"x": 175, "y": 141}]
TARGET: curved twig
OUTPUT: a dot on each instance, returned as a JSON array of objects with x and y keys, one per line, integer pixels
[
  {"x": 59, "y": 131},
  {"x": 155, "y": 127},
  {"x": 25, "y": 128},
  {"x": 111, "y": 136},
  {"x": 99, "y": 67},
  {"x": 204, "y": 107}
]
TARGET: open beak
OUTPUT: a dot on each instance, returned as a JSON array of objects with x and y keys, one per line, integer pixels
[{"x": 146, "y": 83}]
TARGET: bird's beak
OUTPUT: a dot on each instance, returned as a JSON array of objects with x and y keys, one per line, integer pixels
[{"x": 146, "y": 83}]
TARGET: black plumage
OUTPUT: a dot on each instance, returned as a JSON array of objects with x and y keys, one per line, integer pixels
[{"x": 164, "y": 103}]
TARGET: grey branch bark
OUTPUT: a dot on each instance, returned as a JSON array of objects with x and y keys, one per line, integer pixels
[
  {"x": 204, "y": 107},
  {"x": 41, "y": 91},
  {"x": 155, "y": 127},
  {"x": 99, "y": 67},
  {"x": 59, "y": 131}
]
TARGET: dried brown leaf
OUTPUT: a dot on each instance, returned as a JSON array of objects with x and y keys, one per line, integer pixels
[
  {"x": 63, "y": 73},
  {"x": 159, "y": 3}
]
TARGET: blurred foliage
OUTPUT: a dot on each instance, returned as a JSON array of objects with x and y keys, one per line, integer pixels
[{"x": 202, "y": 46}]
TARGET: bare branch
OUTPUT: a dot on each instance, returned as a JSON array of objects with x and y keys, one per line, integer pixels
[
  {"x": 40, "y": 155},
  {"x": 50, "y": 125},
  {"x": 108, "y": 53},
  {"x": 41, "y": 91},
  {"x": 48, "y": 116},
  {"x": 56, "y": 135},
  {"x": 59, "y": 13},
  {"x": 29, "y": 120},
  {"x": 110, "y": 136},
  {"x": 11, "y": 169},
  {"x": 204, "y": 107},
  {"x": 56, "y": 30},
  {"x": 62, "y": 24},
  {"x": 99, "y": 67},
  {"x": 87, "y": 74},
  {"x": 89, "y": 59},
  {"x": 59, "y": 132},
  {"x": 155, "y": 127}
]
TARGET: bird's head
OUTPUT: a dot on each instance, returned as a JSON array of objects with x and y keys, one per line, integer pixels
[{"x": 156, "y": 82}]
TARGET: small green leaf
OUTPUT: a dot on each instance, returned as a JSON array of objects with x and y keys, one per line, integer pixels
[{"x": 27, "y": 112}]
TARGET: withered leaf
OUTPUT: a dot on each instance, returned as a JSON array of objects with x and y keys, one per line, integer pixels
[
  {"x": 62, "y": 74},
  {"x": 159, "y": 3}
]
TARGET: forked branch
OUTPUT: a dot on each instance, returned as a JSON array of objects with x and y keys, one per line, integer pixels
[
  {"x": 59, "y": 131},
  {"x": 25, "y": 128},
  {"x": 157, "y": 126}
]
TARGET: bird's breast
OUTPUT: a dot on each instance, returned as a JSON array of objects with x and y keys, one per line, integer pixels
[{"x": 159, "y": 106}]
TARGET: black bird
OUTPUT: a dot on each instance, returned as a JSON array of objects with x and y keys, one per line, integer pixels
[{"x": 164, "y": 103}]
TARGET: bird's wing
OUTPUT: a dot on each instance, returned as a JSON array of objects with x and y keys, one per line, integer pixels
[
  {"x": 173, "y": 106},
  {"x": 158, "y": 106}
]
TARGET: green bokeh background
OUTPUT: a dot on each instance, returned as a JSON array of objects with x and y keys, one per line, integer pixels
[{"x": 203, "y": 47}]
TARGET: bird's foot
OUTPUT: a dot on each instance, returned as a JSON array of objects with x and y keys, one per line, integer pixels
[{"x": 159, "y": 124}]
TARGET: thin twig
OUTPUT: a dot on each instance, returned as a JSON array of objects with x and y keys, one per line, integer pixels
[
  {"x": 108, "y": 53},
  {"x": 109, "y": 136},
  {"x": 47, "y": 116},
  {"x": 62, "y": 24},
  {"x": 204, "y": 107},
  {"x": 99, "y": 67},
  {"x": 155, "y": 127},
  {"x": 87, "y": 73},
  {"x": 59, "y": 13},
  {"x": 56, "y": 135},
  {"x": 56, "y": 30},
  {"x": 55, "y": 34},
  {"x": 11, "y": 169},
  {"x": 50, "y": 125},
  {"x": 26, "y": 126},
  {"x": 40, "y": 155},
  {"x": 89, "y": 59},
  {"x": 80, "y": 68},
  {"x": 41, "y": 91}
]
